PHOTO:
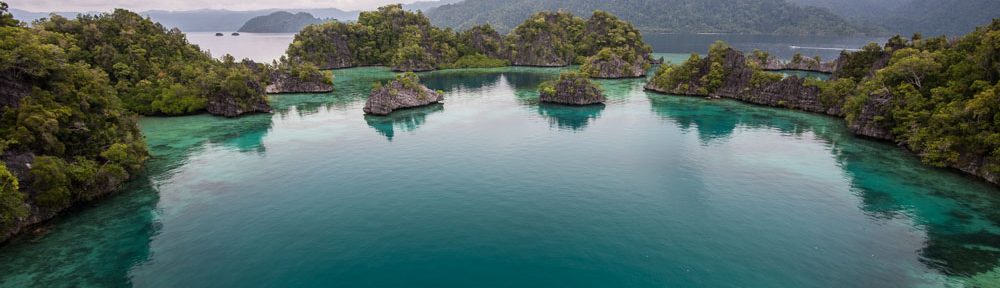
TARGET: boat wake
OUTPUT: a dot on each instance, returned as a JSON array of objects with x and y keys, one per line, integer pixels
[{"x": 823, "y": 48}]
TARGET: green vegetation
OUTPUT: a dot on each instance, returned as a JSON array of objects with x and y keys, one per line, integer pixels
[
  {"x": 604, "y": 30},
  {"x": 674, "y": 16},
  {"x": 408, "y": 80},
  {"x": 407, "y": 42},
  {"x": 547, "y": 37},
  {"x": 591, "y": 67},
  {"x": 677, "y": 77},
  {"x": 387, "y": 36},
  {"x": 279, "y": 22},
  {"x": 477, "y": 61},
  {"x": 11, "y": 200},
  {"x": 684, "y": 78},
  {"x": 84, "y": 142},
  {"x": 155, "y": 71},
  {"x": 938, "y": 97},
  {"x": 946, "y": 96},
  {"x": 304, "y": 71},
  {"x": 548, "y": 88}
]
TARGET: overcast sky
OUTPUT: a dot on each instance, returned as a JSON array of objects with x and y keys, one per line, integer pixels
[{"x": 139, "y": 5}]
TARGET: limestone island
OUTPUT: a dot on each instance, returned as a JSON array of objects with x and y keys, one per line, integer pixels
[
  {"x": 877, "y": 90},
  {"x": 572, "y": 88},
  {"x": 406, "y": 41},
  {"x": 403, "y": 92}
]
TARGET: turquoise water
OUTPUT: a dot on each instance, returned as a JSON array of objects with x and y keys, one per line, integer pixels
[{"x": 492, "y": 189}]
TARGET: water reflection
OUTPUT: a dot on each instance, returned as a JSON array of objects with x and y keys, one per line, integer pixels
[
  {"x": 959, "y": 217},
  {"x": 179, "y": 136},
  {"x": 405, "y": 120},
  {"x": 117, "y": 234},
  {"x": 568, "y": 117},
  {"x": 451, "y": 80}
]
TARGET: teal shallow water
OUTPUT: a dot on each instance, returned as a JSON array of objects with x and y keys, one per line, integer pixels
[{"x": 492, "y": 189}]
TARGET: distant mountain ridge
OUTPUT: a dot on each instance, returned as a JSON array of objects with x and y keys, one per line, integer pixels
[
  {"x": 279, "y": 22},
  {"x": 929, "y": 17},
  {"x": 215, "y": 20},
  {"x": 676, "y": 16}
]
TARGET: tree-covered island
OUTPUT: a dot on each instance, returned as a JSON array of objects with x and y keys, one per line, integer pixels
[
  {"x": 72, "y": 91},
  {"x": 937, "y": 97},
  {"x": 406, "y": 41}
]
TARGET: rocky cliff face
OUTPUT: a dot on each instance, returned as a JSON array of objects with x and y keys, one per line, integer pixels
[
  {"x": 282, "y": 82},
  {"x": 413, "y": 65},
  {"x": 792, "y": 93},
  {"x": 19, "y": 164},
  {"x": 571, "y": 89},
  {"x": 225, "y": 104},
  {"x": 486, "y": 41},
  {"x": 738, "y": 84},
  {"x": 341, "y": 57},
  {"x": 12, "y": 89},
  {"x": 537, "y": 51},
  {"x": 803, "y": 64},
  {"x": 543, "y": 41},
  {"x": 868, "y": 123},
  {"x": 404, "y": 92},
  {"x": 615, "y": 66}
]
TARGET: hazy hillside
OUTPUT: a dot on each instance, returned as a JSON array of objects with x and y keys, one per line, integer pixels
[
  {"x": 695, "y": 16},
  {"x": 212, "y": 20},
  {"x": 856, "y": 9},
  {"x": 935, "y": 17},
  {"x": 279, "y": 22},
  {"x": 930, "y": 17},
  {"x": 428, "y": 5}
]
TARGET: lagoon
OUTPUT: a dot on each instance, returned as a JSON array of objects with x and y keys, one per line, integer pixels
[{"x": 493, "y": 189}]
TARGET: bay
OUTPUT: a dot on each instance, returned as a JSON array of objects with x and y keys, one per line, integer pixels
[{"x": 493, "y": 189}]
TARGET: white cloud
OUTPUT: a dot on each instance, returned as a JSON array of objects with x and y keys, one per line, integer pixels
[{"x": 136, "y": 5}]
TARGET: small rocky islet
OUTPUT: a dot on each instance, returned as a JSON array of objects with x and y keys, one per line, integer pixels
[
  {"x": 572, "y": 88},
  {"x": 403, "y": 92}
]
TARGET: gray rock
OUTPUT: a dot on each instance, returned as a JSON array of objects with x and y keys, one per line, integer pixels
[
  {"x": 866, "y": 123},
  {"x": 404, "y": 92},
  {"x": 789, "y": 92},
  {"x": 224, "y": 104},
  {"x": 572, "y": 89},
  {"x": 12, "y": 89},
  {"x": 285, "y": 83},
  {"x": 616, "y": 67}
]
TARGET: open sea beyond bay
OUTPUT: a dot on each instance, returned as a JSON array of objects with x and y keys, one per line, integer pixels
[{"x": 493, "y": 189}]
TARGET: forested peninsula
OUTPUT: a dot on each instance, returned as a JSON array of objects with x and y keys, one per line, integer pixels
[
  {"x": 937, "y": 97},
  {"x": 72, "y": 91},
  {"x": 406, "y": 41}
]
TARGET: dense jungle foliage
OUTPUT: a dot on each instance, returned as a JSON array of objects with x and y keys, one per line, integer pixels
[
  {"x": 395, "y": 37},
  {"x": 681, "y": 77},
  {"x": 67, "y": 115},
  {"x": 387, "y": 36},
  {"x": 154, "y": 70},
  {"x": 944, "y": 95}
]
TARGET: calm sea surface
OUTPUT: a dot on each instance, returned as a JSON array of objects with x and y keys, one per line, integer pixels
[
  {"x": 493, "y": 189},
  {"x": 264, "y": 47}
]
